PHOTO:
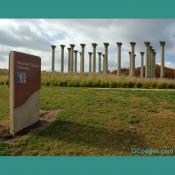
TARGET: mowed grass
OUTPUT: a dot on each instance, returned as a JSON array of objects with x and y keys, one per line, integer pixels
[{"x": 98, "y": 122}]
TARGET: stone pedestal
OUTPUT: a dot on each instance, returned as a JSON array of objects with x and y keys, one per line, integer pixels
[
  {"x": 62, "y": 58},
  {"x": 53, "y": 57}
]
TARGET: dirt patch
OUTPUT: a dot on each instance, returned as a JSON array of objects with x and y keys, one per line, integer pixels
[{"x": 46, "y": 118}]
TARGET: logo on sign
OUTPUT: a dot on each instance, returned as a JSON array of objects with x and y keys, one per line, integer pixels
[{"x": 21, "y": 77}]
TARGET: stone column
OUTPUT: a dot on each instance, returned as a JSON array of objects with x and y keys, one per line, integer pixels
[
  {"x": 62, "y": 58},
  {"x": 82, "y": 57},
  {"x": 134, "y": 62},
  {"x": 94, "y": 45},
  {"x": 132, "y": 58},
  {"x": 119, "y": 44},
  {"x": 106, "y": 57},
  {"x": 147, "y": 44},
  {"x": 142, "y": 65},
  {"x": 154, "y": 64},
  {"x": 72, "y": 57},
  {"x": 150, "y": 62},
  {"x": 162, "y": 61},
  {"x": 75, "y": 60},
  {"x": 149, "y": 74},
  {"x": 103, "y": 55},
  {"x": 53, "y": 57},
  {"x": 90, "y": 61},
  {"x": 99, "y": 61},
  {"x": 80, "y": 63},
  {"x": 68, "y": 62},
  {"x": 129, "y": 64}
]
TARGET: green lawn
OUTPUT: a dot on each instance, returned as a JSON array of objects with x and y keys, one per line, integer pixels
[{"x": 98, "y": 122}]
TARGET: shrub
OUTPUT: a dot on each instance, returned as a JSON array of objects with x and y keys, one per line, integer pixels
[
  {"x": 154, "y": 85},
  {"x": 171, "y": 86},
  {"x": 139, "y": 84},
  {"x": 147, "y": 85},
  {"x": 162, "y": 85},
  {"x": 131, "y": 84},
  {"x": 47, "y": 83},
  {"x": 113, "y": 84}
]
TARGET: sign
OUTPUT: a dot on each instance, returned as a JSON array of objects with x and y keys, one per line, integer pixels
[{"x": 25, "y": 78}]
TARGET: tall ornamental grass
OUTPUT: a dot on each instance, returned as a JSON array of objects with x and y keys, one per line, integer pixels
[{"x": 104, "y": 81}]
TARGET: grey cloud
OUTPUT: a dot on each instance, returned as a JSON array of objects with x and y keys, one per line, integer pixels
[
  {"x": 24, "y": 38},
  {"x": 37, "y": 34}
]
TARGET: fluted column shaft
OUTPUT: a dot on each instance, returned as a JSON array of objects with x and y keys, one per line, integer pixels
[
  {"x": 75, "y": 60},
  {"x": 142, "y": 65},
  {"x": 119, "y": 44},
  {"x": 147, "y": 59},
  {"x": 162, "y": 61},
  {"x": 90, "y": 61},
  {"x": 106, "y": 57},
  {"x": 99, "y": 61},
  {"x": 72, "y": 57},
  {"x": 53, "y": 57},
  {"x": 134, "y": 63},
  {"x": 82, "y": 57},
  {"x": 69, "y": 50},
  {"x": 150, "y": 62},
  {"x": 94, "y": 45},
  {"x": 154, "y": 64},
  {"x": 62, "y": 58},
  {"x": 132, "y": 58},
  {"x": 103, "y": 55},
  {"x": 80, "y": 63},
  {"x": 130, "y": 64}
]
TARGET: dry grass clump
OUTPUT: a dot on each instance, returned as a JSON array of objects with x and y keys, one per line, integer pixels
[{"x": 3, "y": 77}]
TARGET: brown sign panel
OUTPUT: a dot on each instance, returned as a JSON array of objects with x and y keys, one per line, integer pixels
[
  {"x": 25, "y": 78},
  {"x": 27, "y": 71}
]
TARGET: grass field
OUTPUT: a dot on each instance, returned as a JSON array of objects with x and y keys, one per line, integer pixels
[{"x": 97, "y": 122}]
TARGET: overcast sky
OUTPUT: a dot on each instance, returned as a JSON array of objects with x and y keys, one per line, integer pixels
[{"x": 35, "y": 36}]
